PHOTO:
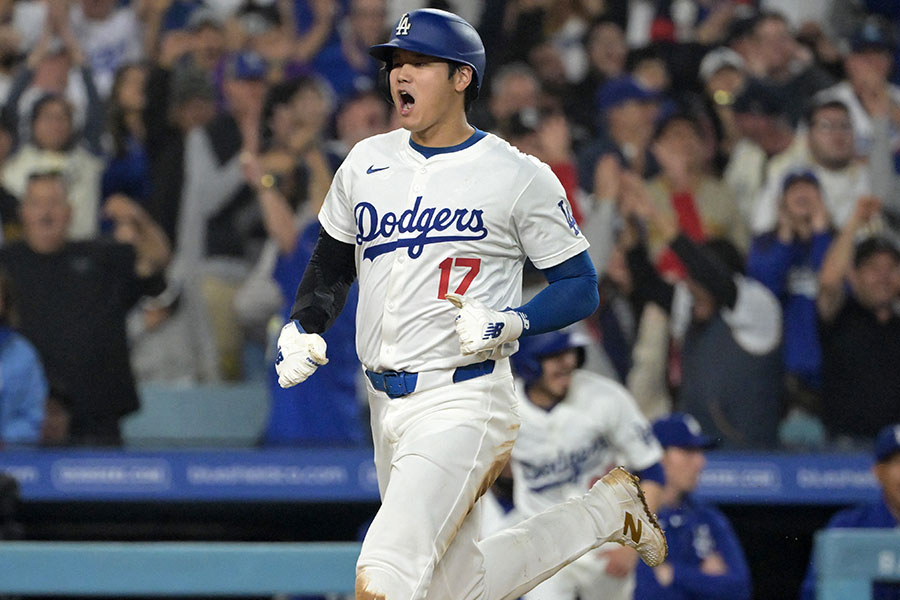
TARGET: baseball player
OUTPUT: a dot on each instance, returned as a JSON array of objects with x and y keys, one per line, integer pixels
[
  {"x": 435, "y": 220},
  {"x": 576, "y": 426}
]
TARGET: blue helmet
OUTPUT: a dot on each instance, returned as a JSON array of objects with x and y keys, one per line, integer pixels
[
  {"x": 436, "y": 33},
  {"x": 534, "y": 348}
]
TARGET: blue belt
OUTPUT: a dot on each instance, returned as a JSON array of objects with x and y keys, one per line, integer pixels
[{"x": 397, "y": 384}]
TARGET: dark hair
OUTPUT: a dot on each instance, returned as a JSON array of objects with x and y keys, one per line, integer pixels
[
  {"x": 679, "y": 115},
  {"x": 472, "y": 90},
  {"x": 45, "y": 100},
  {"x": 115, "y": 116}
]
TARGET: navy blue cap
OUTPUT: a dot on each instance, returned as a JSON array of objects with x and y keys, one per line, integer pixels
[
  {"x": 246, "y": 65},
  {"x": 798, "y": 175},
  {"x": 682, "y": 431},
  {"x": 874, "y": 34},
  {"x": 887, "y": 443},
  {"x": 621, "y": 90}
]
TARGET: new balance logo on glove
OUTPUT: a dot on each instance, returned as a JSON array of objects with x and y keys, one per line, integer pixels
[{"x": 493, "y": 331}]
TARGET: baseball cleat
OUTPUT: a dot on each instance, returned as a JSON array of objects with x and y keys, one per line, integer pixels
[{"x": 623, "y": 502}]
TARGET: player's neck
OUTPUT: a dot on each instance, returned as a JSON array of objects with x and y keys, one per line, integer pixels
[{"x": 444, "y": 134}]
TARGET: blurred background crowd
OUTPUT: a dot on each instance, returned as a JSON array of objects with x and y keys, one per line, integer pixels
[{"x": 733, "y": 163}]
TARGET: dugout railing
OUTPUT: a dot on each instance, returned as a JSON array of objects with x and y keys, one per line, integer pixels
[{"x": 849, "y": 560}]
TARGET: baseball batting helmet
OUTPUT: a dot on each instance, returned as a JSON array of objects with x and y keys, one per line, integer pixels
[
  {"x": 437, "y": 33},
  {"x": 534, "y": 348}
]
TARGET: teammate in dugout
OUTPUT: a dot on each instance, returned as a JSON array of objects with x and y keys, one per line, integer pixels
[
  {"x": 436, "y": 220},
  {"x": 576, "y": 426}
]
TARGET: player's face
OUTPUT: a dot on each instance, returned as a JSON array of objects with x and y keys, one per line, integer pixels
[
  {"x": 683, "y": 467},
  {"x": 888, "y": 475},
  {"x": 556, "y": 373},
  {"x": 428, "y": 99}
]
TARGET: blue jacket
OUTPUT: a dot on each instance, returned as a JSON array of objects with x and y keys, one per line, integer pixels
[
  {"x": 790, "y": 271},
  {"x": 23, "y": 390},
  {"x": 873, "y": 515},
  {"x": 695, "y": 531}
]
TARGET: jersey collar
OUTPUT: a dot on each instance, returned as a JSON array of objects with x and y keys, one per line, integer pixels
[{"x": 428, "y": 152}]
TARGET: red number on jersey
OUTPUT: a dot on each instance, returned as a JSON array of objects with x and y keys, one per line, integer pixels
[{"x": 473, "y": 264}]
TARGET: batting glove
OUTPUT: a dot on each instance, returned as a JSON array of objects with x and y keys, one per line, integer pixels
[
  {"x": 481, "y": 329},
  {"x": 299, "y": 355}
]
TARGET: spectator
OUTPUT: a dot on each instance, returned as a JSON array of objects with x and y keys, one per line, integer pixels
[
  {"x": 860, "y": 331},
  {"x": 514, "y": 88},
  {"x": 728, "y": 327},
  {"x": 220, "y": 231},
  {"x": 23, "y": 387},
  {"x": 868, "y": 67},
  {"x": 700, "y": 203},
  {"x": 881, "y": 514},
  {"x": 786, "y": 64},
  {"x": 110, "y": 35},
  {"x": 128, "y": 168},
  {"x": 182, "y": 99},
  {"x": 768, "y": 147},
  {"x": 829, "y": 154},
  {"x": 723, "y": 77},
  {"x": 787, "y": 260},
  {"x": 575, "y": 427},
  {"x": 606, "y": 51},
  {"x": 56, "y": 65},
  {"x": 705, "y": 558},
  {"x": 628, "y": 113},
  {"x": 78, "y": 295},
  {"x": 346, "y": 63},
  {"x": 361, "y": 116},
  {"x": 54, "y": 146}
]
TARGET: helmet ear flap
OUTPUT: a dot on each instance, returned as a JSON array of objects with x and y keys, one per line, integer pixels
[{"x": 384, "y": 82}]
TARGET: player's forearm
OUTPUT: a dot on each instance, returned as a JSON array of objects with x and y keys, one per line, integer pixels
[
  {"x": 570, "y": 296},
  {"x": 325, "y": 284}
]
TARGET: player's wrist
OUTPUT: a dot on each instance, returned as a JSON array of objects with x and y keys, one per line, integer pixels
[{"x": 516, "y": 322}]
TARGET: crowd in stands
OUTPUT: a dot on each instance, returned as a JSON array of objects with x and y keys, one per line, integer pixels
[{"x": 733, "y": 163}]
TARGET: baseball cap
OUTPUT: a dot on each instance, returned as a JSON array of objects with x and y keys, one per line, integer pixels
[
  {"x": 247, "y": 65},
  {"x": 620, "y": 90},
  {"x": 797, "y": 176},
  {"x": 874, "y": 34},
  {"x": 872, "y": 245},
  {"x": 718, "y": 59},
  {"x": 682, "y": 431},
  {"x": 887, "y": 443}
]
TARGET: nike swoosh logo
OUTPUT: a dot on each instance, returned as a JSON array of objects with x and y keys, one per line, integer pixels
[{"x": 372, "y": 169}]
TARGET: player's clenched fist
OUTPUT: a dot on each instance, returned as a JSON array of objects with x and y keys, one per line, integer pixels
[
  {"x": 299, "y": 355},
  {"x": 481, "y": 329}
]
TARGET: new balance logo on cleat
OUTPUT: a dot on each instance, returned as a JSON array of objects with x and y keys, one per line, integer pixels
[
  {"x": 493, "y": 330},
  {"x": 279, "y": 357},
  {"x": 636, "y": 529}
]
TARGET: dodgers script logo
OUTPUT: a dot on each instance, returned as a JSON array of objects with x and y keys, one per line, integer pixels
[{"x": 462, "y": 224}]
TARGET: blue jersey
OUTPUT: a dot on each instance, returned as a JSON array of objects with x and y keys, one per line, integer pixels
[
  {"x": 694, "y": 532},
  {"x": 874, "y": 515}
]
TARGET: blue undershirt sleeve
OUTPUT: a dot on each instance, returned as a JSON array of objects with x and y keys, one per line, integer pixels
[{"x": 571, "y": 296}]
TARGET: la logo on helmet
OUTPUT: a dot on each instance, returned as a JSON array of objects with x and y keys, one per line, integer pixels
[{"x": 403, "y": 26}]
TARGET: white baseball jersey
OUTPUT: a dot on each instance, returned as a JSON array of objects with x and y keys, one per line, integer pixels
[
  {"x": 461, "y": 221},
  {"x": 560, "y": 453}
]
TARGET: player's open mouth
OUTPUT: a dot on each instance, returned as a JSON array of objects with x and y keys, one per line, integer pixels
[{"x": 406, "y": 103}]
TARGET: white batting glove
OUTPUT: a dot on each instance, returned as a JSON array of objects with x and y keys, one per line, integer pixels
[
  {"x": 481, "y": 329},
  {"x": 299, "y": 355}
]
